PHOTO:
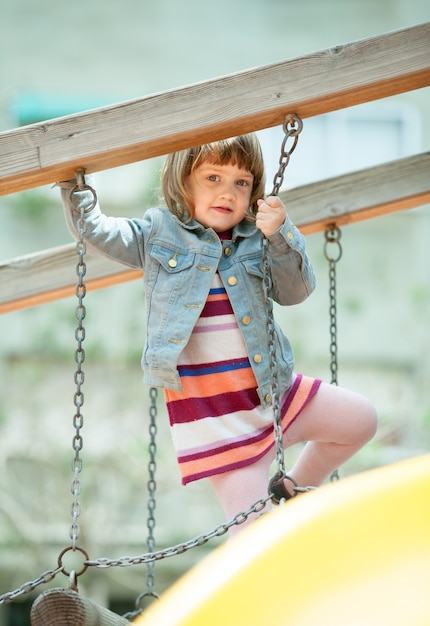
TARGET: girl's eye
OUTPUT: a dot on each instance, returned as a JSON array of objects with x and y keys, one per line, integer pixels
[
  {"x": 242, "y": 183},
  {"x": 213, "y": 177}
]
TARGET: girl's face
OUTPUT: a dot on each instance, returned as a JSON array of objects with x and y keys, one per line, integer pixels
[{"x": 220, "y": 194}]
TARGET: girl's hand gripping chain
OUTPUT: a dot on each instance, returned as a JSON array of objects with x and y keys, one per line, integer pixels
[{"x": 271, "y": 215}]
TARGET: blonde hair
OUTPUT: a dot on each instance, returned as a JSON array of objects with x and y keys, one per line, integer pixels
[{"x": 243, "y": 151}]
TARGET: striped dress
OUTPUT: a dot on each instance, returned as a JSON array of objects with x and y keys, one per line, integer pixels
[{"x": 217, "y": 421}]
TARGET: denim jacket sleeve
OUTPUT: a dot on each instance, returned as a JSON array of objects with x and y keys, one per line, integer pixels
[
  {"x": 293, "y": 278},
  {"x": 118, "y": 238}
]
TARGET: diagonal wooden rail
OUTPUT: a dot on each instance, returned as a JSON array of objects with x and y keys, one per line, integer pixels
[
  {"x": 44, "y": 276},
  {"x": 318, "y": 83}
]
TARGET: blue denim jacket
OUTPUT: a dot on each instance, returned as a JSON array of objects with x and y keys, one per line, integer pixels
[{"x": 179, "y": 261}]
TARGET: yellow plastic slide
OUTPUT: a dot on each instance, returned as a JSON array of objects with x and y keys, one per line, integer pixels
[{"x": 353, "y": 553}]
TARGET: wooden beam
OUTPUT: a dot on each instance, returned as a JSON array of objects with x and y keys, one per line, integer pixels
[
  {"x": 49, "y": 275},
  {"x": 311, "y": 85},
  {"x": 371, "y": 192}
]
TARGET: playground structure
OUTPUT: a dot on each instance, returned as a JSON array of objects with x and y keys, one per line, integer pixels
[
  {"x": 351, "y": 553},
  {"x": 112, "y": 136}
]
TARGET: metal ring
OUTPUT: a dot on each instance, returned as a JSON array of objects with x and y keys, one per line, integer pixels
[
  {"x": 82, "y": 551},
  {"x": 84, "y": 187},
  {"x": 336, "y": 258},
  {"x": 332, "y": 236},
  {"x": 293, "y": 119}
]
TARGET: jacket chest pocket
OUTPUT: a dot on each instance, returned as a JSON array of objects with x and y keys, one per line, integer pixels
[
  {"x": 254, "y": 267},
  {"x": 171, "y": 267}
]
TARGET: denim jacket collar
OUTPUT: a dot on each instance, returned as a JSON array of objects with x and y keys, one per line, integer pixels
[{"x": 244, "y": 229}]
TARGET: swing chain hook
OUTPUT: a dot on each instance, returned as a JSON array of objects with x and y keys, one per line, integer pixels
[
  {"x": 292, "y": 128},
  {"x": 138, "y": 608}
]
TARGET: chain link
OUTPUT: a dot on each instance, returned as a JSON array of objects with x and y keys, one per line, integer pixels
[
  {"x": 28, "y": 587},
  {"x": 199, "y": 540},
  {"x": 151, "y": 505},
  {"x": 332, "y": 239},
  {"x": 152, "y": 485},
  {"x": 78, "y": 400},
  {"x": 290, "y": 131},
  {"x": 149, "y": 557},
  {"x": 79, "y": 377},
  {"x": 292, "y": 128}
]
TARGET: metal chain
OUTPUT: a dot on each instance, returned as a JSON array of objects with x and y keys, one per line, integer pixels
[
  {"x": 151, "y": 505},
  {"x": 78, "y": 398},
  {"x": 332, "y": 238},
  {"x": 199, "y": 540},
  {"x": 152, "y": 485},
  {"x": 79, "y": 377},
  {"x": 28, "y": 587},
  {"x": 277, "y": 419},
  {"x": 150, "y": 557},
  {"x": 292, "y": 127}
]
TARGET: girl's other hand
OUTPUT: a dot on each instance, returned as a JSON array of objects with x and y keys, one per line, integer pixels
[{"x": 271, "y": 215}]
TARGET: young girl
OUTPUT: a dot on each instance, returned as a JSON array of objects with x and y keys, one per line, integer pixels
[{"x": 207, "y": 339}]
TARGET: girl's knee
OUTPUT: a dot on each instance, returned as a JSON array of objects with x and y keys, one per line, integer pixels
[
  {"x": 366, "y": 420},
  {"x": 357, "y": 418}
]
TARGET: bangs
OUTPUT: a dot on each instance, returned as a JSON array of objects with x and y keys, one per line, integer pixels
[{"x": 236, "y": 151}]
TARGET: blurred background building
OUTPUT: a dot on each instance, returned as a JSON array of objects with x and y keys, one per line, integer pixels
[{"x": 58, "y": 58}]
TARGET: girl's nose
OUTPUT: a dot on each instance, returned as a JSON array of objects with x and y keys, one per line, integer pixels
[{"x": 228, "y": 191}]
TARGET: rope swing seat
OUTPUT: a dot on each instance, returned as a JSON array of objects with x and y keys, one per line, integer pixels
[{"x": 65, "y": 607}]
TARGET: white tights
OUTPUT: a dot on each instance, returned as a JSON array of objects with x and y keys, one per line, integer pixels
[{"x": 335, "y": 424}]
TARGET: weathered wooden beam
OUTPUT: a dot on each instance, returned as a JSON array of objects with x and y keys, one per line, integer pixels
[
  {"x": 41, "y": 277},
  {"x": 364, "y": 194},
  {"x": 64, "y": 607},
  {"x": 258, "y": 98},
  {"x": 49, "y": 275}
]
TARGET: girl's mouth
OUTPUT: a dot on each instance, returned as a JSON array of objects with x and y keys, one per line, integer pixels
[{"x": 222, "y": 209}]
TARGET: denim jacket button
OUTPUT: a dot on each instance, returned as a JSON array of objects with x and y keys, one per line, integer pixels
[
  {"x": 173, "y": 262},
  {"x": 268, "y": 398},
  {"x": 232, "y": 280},
  {"x": 257, "y": 358},
  {"x": 246, "y": 319},
  {"x": 227, "y": 251}
]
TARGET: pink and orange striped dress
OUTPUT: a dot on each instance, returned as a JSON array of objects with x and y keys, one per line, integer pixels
[{"x": 217, "y": 421}]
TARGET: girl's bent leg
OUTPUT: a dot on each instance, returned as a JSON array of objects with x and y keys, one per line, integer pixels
[{"x": 335, "y": 424}]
